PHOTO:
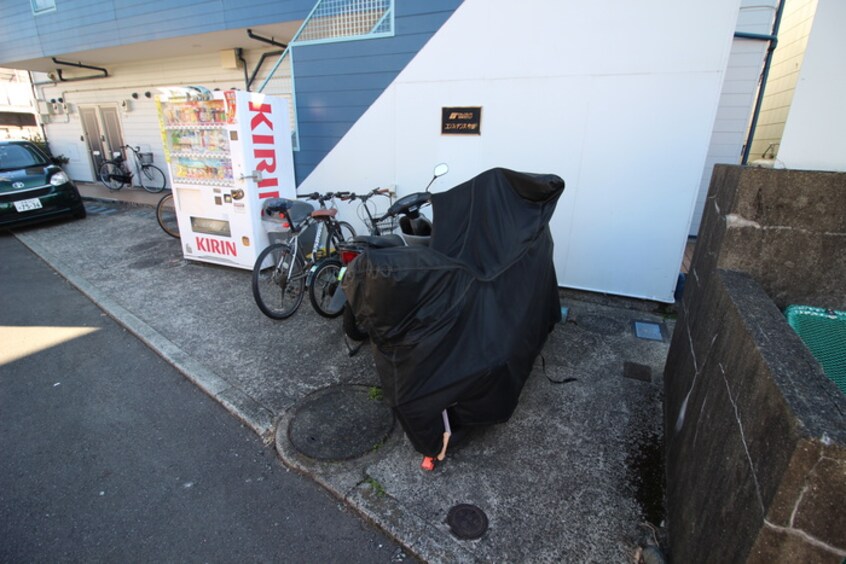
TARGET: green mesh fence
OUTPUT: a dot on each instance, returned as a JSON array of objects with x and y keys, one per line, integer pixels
[{"x": 824, "y": 333}]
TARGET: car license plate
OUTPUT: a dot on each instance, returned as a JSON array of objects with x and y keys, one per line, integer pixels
[{"x": 26, "y": 205}]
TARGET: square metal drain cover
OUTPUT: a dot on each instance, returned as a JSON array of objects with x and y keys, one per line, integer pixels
[{"x": 648, "y": 330}]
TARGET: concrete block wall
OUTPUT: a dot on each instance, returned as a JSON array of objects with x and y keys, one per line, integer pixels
[
  {"x": 755, "y": 432},
  {"x": 786, "y": 228}
]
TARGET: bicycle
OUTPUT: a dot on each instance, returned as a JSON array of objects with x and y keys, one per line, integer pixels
[
  {"x": 323, "y": 279},
  {"x": 416, "y": 230},
  {"x": 283, "y": 270},
  {"x": 115, "y": 174},
  {"x": 377, "y": 225},
  {"x": 166, "y": 215}
]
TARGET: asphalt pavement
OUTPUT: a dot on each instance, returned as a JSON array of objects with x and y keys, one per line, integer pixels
[
  {"x": 574, "y": 476},
  {"x": 109, "y": 454}
]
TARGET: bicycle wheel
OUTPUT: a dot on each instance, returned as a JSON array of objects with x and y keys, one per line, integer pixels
[
  {"x": 337, "y": 232},
  {"x": 152, "y": 178},
  {"x": 346, "y": 230},
  {"x": 324, "y": 282},
  {"x": 278, "y": 285},
  {"x": 166, "y": 216},
  {"x": 112, "y": 175}
]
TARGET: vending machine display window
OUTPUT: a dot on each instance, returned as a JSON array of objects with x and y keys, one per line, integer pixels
[{"x": 210, "y": 226}]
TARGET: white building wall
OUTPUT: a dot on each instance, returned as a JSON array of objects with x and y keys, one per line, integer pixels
[
  {"x": 815, "y": 133},
  {"x": 140, "y": 125},
  {"x": 619, "y": 99}
]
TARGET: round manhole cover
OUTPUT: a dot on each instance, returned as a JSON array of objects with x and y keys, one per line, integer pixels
[
  {"x": 467, "y": 522},
  {"x": 601, "y": 324},
  {"x": 339, "y": 423}
]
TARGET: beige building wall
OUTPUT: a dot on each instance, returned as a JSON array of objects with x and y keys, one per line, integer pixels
[
  {"x": 737, "y": 97},
  {"x": 138, "y": 117},
  {"x": 793, "y": 35}
]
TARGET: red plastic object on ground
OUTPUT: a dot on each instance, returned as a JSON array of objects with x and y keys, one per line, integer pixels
[{"x": 428, "y": 463}]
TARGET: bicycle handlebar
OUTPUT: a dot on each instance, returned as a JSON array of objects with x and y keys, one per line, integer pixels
[
  {"x": 323, "y": 198},
  {"x": 364, "y": 197}
]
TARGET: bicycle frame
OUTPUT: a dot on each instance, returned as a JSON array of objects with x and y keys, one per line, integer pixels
[
  {"x": 318, "y": 236},
  {"x": 136, "y": 160},
  {"x": 319, "y": 244},
  {"x": 124, "y": 163},
  {"x": 316, "y": 247},
  {"x": 121, "y": 161},
  {"x": 295, "y": 241}
]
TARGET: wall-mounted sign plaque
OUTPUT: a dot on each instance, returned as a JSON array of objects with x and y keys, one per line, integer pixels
[{"x": 461, "y": 121}]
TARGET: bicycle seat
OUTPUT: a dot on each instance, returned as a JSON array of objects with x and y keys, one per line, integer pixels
[
  {"x": 276, "y": 205},
  {"x": 380, "y": 241},
  {"x": 273, "y": 208},
  {"x": 324, "y": 213}
]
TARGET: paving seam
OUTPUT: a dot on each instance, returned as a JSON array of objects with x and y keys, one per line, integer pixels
[{"x": 251, "y": 413}]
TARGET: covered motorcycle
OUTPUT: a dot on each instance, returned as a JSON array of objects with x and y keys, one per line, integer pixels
[{"x": 457, "y": 325}]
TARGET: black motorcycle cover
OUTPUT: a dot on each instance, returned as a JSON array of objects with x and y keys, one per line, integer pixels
[{"x": 459, "y": 324}]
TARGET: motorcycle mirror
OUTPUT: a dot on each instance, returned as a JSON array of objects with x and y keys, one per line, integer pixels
[{"x": 440, "y": 170}]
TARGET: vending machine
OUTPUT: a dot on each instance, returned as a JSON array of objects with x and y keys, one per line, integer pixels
[{"x": 226, "y": 153}]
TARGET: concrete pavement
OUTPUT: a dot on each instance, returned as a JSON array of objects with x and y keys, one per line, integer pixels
[
  {"x": 111, "y": 455},
  {"x": 574, "y": 476}
]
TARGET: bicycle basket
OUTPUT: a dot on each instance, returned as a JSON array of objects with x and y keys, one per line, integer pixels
[
  {"x": 146, "y": 158},
  {"x": 387, "y": 225}
]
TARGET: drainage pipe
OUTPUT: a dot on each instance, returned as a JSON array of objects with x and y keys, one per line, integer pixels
[
  {"x": 773, "y": 41},
  {"x": 271, "y": 41},
  {"x": 260, "y": 63},
  {"x": 80, "y": 66},
  {"x": 240, "y": 54},
  {"x": 264, "y": 56}
]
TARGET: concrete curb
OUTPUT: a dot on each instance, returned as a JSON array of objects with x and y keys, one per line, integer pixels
[
  {"x": 250, "y": 412},
  {"x": 349, "y": 481},
  {"x": 98, "y": 199}
]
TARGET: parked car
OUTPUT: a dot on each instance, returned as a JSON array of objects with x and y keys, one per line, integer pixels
[{"x": 33, "y": 188}]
